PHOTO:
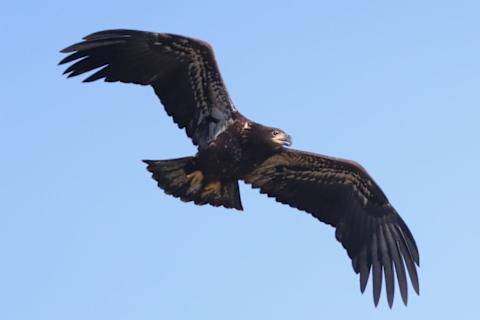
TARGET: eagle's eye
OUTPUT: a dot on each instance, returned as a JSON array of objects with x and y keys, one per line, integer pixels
[{"x": 275, "y": 132}]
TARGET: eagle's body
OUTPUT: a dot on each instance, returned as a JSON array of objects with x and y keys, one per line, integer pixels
[
  {"x": 236, "y": 151},
  {"x": 185, "y": 76},
  {"x": 232, "y": 162}
]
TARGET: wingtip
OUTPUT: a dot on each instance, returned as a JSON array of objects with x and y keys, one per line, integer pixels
[
  {"x": 390, "y": 302},
  {"x": 68, "y": 49},
  {"x": 364, "y": 280},
  {"x": 111, "y": 33},
  {"x": 416, "y": 287}
]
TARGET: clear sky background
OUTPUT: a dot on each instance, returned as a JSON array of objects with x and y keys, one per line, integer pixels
[{"x": 86, "y": 234}]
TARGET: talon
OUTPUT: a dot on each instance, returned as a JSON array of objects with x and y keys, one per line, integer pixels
[
  {"x": 212, "y": 187},
  {"x": 196, "y": 177}
]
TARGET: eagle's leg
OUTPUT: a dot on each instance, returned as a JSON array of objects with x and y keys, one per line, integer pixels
[
  {"x": 196, "y": 177},
  {"x": 212, "y": 187}
]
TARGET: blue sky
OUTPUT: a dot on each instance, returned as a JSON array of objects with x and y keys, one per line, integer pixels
[{"x": 86, "y": 234}]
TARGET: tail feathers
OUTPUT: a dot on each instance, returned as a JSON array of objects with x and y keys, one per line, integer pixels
[{"x": 180, "y": 178}]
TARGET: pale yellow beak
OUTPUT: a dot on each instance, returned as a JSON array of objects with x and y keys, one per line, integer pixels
[{"x": 282, "y": 139}]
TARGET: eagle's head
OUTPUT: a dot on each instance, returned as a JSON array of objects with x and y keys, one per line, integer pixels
[
  {"x": 280, "y": 138},
  {"x": 266, "y": 138}
]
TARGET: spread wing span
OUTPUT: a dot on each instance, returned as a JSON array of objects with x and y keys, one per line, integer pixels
[
  {"x": 342, "y": 194},
  {"x": 182, "y": 71}
]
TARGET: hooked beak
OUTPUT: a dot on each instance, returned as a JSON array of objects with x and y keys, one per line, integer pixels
[{"x": 283, "y": 139}]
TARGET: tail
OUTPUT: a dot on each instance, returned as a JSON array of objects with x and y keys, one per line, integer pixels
[{"x": 182, "y": 179}]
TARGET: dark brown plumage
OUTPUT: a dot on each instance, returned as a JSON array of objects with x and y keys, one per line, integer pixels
[{"x": 185, "y": 76}]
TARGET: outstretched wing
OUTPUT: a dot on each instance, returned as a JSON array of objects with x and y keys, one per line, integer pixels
[
  {"x": 342, "y": 194},
  {"x": 182, "y": 71}
]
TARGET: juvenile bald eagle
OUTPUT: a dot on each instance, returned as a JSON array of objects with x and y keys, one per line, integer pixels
[{"x": 185, "y": 76}]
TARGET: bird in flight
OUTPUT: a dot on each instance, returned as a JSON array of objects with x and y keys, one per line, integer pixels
[{"x": 185, "y": 76}]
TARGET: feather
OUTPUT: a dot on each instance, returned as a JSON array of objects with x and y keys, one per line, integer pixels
[
  {"x": 392, "y": 239},
  {"x": 387, "y": 266}
]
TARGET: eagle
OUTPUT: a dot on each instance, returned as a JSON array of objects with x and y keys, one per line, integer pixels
[{"x": 185, "y": 76}]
